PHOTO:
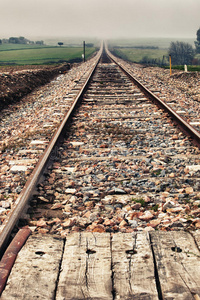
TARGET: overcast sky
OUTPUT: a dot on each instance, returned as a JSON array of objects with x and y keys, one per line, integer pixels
[{"x": 99, "y": 18}]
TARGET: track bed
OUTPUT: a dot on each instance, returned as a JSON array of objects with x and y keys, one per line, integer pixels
[{"x": 123, "y": 166}]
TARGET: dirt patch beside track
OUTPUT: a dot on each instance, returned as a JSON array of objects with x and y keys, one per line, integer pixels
[{"x": 17, "y": 83}]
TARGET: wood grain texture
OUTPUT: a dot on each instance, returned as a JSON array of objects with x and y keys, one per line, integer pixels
[
  {"x": 86, "y": 268},
  {"x": 133, "y": 268},
  {"x": 196, "y": 235},
  {"x": 36, "y": 270},
  {"x": 103, "y": 266},
  {"x": 178, "y": 262}
]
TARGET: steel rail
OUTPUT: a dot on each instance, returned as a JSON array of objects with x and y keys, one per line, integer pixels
[
  {"x": 22, "y": 201},
  {"x": 183, "y": 125},
  {"x": 10, "y": 255}
]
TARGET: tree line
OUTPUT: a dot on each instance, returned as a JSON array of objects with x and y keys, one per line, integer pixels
[
  {"x": 20, "y": 40},
  {"x": 183, "y": 53}
]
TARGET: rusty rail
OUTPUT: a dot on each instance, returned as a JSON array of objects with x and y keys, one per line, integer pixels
[
  {"x": 28, "y": 190},
  {"x": 10, "y": 255}
]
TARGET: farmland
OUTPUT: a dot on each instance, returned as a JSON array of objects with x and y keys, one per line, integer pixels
[
  {"x": 161, "y": 43},
  {"x": 148, "y": 50},
  {"x": 16, "y": 54},
  {"x": 138, "y": 54}
]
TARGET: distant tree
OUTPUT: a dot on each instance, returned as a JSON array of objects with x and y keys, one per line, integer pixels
[
  {"x": 13, "y": 40},
  {"x": 197, "y": 42},
  {"x": 0, "y": 42},
  {"x": 39, "y": 42},
  {"x": 181, "y": 53},
  {"x": 89, "y": 45},
  {"x": 18, "y": 40},
  {"x": 60, "y": 44},
  {"x": 22, "y": 40}
]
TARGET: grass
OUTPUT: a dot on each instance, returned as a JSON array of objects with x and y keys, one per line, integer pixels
[
  {"x": 153, "y": 51},
  {"x": 10, "y": 47},
  {"x": 145, "y": 204},
  {"x": 151, "y": 56},
  {"x": 155, "y": 207},
  {"x": 181, "y": 68},
  {"x": 29, "y": 54},
  {"x": 141, "y": 201},
  {"x": 137, "y": 54},
  {"x": 162, "y": 43},
  {"x": 156, "y": 172}
]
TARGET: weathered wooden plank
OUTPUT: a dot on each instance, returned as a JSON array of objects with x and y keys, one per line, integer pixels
[
  {"x": 178, "y": 263},
  {"x": 133, "y": 267},
  {"x": 36, "y": 270},
  {"x": 86, "y": 268}
]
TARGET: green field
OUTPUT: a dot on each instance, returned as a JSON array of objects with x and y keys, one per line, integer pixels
[
  {"x": 16, "y": 54},
  {"x": 161, "y": 43},
  {"x": 137, "y": 55},
  {"x": 153, "y": 51},
  {"x": 150, "y": 56}
]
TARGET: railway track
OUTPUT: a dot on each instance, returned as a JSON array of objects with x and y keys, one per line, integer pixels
[
  {"x": 172, "y": 90},
  {"x": 118, "y": 165}
]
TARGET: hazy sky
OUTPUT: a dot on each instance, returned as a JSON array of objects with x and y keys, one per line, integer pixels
[{"x": 99, "y": 18}]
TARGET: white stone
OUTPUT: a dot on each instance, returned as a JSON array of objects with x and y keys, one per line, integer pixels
[
  {"x": 29, "y": 151},
  {"x": 38, "y": 142},
  {"x": 181, "y": 112},
  {"x": 70, "y": 191},
  {"x": 5, "y": 204},
  {"x": 22, "y": 161},
  {"x": 162, "y": 215},
  {"x": 168, "y": 204},
  {"x": 117, "y": 198},
  {"x": 193, "y": 168},
  {"x": 197, "y": 202},
  {"x": 18, "y": 168},
  {"x": 48, "y": 125},
  {"x": 70, "y": 169},
  {"x": 57, "y": 114},
  {"x": 194, "y": 123},
  {"x": 77, "y": 143}
]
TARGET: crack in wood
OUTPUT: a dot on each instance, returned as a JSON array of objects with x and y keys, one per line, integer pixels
[
  {"x": 130, "y": 254},
  {"x": 89, "y": 252},
  {"x": 113, "y": 291},
  {"x": 129, "y": 271},
  {"x": 158, "y": 285},
  {"x": 59, "y": 270},
  {"x": 86, "y": 265},
  {"x": 79, "y": 239}
]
